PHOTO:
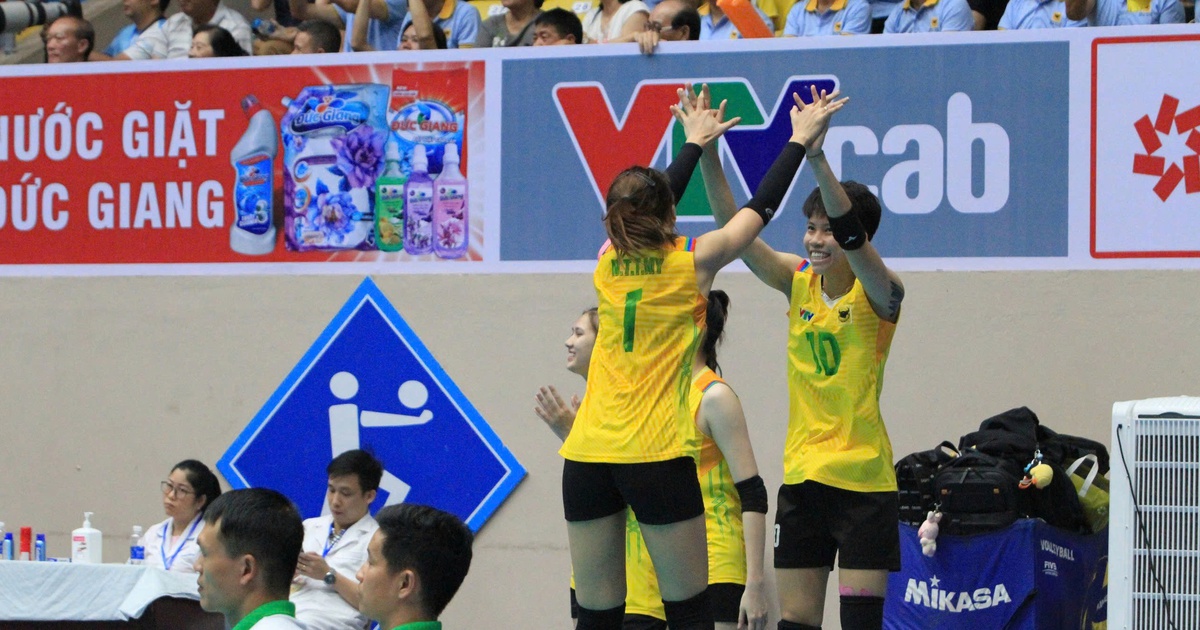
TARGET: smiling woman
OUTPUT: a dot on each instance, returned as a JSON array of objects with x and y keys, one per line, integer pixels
[{"x": 187, "y": 492}]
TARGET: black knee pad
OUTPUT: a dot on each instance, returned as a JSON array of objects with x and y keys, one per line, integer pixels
[
  {"x": 609, "y": 619},
  {"x": 694, "y": 613},
  {"x": 791, "y": 625},
  {"x": 862, "y": 612}
]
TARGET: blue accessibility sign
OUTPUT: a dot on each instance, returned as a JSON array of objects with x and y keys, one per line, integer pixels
[{"x": 368, "y": 382}]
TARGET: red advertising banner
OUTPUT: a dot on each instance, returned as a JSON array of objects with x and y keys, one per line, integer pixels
[{"x": 356, "y": 162}]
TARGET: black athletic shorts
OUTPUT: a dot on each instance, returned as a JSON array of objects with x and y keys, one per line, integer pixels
[
  {"x": 815, "y": 523},
  {"x": 660, "y": 493},
  {"x": 725, "y": 600}
]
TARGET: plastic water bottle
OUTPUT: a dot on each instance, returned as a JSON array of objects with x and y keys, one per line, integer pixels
[
  {"x": 6, "y": 548},
  {"x": 263, "y": 28},
  {"x": 451, "y": 232},
  {"x": 3, "y": 551},
  {"x": 39, "y": 548},
  {"x": 137, "y": 553}
]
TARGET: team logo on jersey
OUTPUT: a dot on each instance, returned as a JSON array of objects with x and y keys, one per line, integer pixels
[
  {"x": 1177, "y": 135},
  {"x": 844, "y": 315}
]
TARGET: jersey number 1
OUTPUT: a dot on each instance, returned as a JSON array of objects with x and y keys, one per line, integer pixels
[
  {"x": 827, "y": 361},
  {"x": 631, "y": 301}
]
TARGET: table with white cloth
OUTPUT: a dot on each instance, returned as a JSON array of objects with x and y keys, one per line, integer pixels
[{"x": 67, "y": 595}]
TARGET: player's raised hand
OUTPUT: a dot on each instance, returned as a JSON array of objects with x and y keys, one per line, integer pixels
[
  {"x": 701, "y": 124},
  {"x": 810, "y": 121}
]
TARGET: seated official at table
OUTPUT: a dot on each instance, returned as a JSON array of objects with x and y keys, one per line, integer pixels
[
  {"x": 325, "y": 590},
  {"x": 188, "y": 491},
  {"x": 248, "y": 552}
]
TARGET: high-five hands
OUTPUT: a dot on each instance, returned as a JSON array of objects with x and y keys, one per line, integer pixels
[
  {"x": 811, "y": 121},
  {"x": 701, "y": 124}
]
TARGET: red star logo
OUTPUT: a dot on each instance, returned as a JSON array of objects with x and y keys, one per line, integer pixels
[{"x": 1152, "y": 133}]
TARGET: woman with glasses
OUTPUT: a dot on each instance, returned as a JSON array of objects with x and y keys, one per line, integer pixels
[{"x": 171, "y": 544}]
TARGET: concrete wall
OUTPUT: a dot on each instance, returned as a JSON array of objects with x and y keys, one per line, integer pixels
[{"x": 107, "y": 382}]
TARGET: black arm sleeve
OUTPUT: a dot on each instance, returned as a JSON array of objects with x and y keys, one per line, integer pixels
[
  {"x": 753, "y": 494},
  {"x": 681, "y": 168},
  {"x": 776, "y": 182}
]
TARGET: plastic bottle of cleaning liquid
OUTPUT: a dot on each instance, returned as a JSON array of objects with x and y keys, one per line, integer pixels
[
  {"x": 253, "y": 159},
  {"x": 418, "y": 205},
  {"x": 451, "y": 231},
  {"x": 389, "y": 202},
  {"x": 137, "y": 553},
  {"x": 87, "y": 543}
]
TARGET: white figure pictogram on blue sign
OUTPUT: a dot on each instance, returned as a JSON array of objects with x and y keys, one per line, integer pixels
[{"x": 368, "y": 382}]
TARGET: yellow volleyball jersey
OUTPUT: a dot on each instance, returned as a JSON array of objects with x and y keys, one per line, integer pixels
[
  {"x": 836, "y": 356},
  {"x": 722, "y": 521},
  {"x": 635, "y": 407}
]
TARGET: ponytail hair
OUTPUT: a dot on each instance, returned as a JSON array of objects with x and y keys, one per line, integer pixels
[
  {"x": 718, "y": 311},
  {"x": 640, "y": 215}
]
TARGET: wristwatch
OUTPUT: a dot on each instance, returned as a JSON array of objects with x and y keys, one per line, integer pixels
[{"x": 330, "y": 578}]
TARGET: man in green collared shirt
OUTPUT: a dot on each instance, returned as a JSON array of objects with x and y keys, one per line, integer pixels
[
  {"x": 415, "y": 563},
  {"x": 248, "y": 551}
]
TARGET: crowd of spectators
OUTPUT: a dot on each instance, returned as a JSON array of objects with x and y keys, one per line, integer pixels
[{"x": 208, "y": 28}]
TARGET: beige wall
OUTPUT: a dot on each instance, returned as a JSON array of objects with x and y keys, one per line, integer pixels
[{"x": 106, "y": 382}]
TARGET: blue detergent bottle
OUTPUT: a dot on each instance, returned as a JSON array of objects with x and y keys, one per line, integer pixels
[{"x": 253, "y": 159}]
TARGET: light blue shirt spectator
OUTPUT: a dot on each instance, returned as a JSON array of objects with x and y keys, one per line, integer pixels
[
  {"x": 1020, "y": 14},
  {"x": 381, "y": 34},
  {"x": 724, "y": 28},
  {"x": 882, "y": 8},
  {"x": 1135, "y": 12},
  {"x": 125, "y": 37},
  {"x": 458, "y": 20},
  {"x": 931, "y": 17},
  {"x": 844, "y": 17}
]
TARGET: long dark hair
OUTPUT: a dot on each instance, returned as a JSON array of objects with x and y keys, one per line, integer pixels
[
  {"x": 223, "y": 43},
  {"x": 203, "y": 481},
  {"x": 718, "y": 311},
  {"x": 641, "y": 211}
]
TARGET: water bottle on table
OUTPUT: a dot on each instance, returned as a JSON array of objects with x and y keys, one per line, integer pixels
[{"x": 137, "y": 553}]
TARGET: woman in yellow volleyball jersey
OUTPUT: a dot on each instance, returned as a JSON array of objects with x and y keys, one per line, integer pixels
[
  {"x": 839, "y": 493},
  {"x": 633, "y": 441},
  {"x": 727, "y": 470}
]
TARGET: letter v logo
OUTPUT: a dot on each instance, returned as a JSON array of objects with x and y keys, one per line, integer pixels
[{"x": 607, "y": 145}]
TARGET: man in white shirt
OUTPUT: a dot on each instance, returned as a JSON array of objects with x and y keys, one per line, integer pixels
[
  {"x": 248, "y": 551},
  {"x": 171, "y": 39},
  {"x": 325, "y": 590}
]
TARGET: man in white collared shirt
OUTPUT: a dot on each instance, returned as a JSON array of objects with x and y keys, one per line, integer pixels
[
  {"x": 172, "y": 38},
  {"x": 325, "y": 590}
]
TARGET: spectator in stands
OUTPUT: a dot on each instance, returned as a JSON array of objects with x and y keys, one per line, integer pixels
[
  {"x": 315, "y": 36},
  {"x": 419, "y": 32},
  {"x": 211, "y": 40},
  {"x": 557, "y": 27},
  {"x": 415, "y": 564},
  {"x": 615, "y": 21},
  {"x": 1022, "y": 14},
  {"x": 715, "y": 26},
  {"x": 335, "y": 546},
  {"x": 929, "y": 16},
  {"x": 143, "y": 14},
  {"x": 985, "y": 14},
  {"x": 828, "y": 17},
  {"x": 173, "y": 38},
  {"x": 382, "y": 29},
  {"x": 68, "y": 39},
  {"x": 670, "y": 21},
  {"x": 457, "y": 19},
  {"x": 514, "y": 27},
  {"x": 248, "y": 551},
  {"x": 283, "y": 11},
  {"x": 1125, "y": 12}
]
